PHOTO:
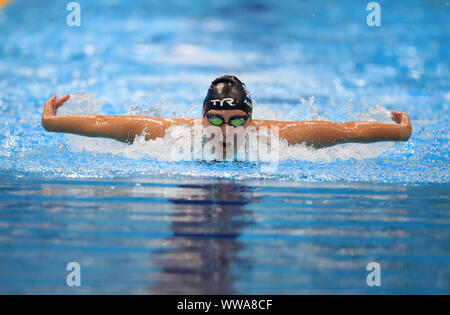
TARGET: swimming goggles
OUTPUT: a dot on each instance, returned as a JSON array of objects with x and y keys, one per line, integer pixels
[{"x": 235, "y": 121}]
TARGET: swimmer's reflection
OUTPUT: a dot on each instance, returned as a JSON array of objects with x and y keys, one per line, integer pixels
[{"x": 204, "y": 246}]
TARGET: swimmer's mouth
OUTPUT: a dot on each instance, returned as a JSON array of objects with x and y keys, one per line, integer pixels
[{"x": 226, "y": 145}]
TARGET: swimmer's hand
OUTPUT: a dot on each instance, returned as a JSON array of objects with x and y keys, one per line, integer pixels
[
  {"x": 403, "y": 120},
  {"x": 51, "y": 107}
]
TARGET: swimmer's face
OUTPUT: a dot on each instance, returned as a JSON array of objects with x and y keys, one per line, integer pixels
[{"x": 228, "y": 131}]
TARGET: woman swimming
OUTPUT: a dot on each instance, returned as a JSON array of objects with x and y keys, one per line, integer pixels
[{"x": 227, "y": 105}]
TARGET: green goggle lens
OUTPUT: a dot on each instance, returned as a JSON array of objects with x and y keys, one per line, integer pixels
[
  {"x": 235, "y": 122},
  {"x": 216, "y": 121}
]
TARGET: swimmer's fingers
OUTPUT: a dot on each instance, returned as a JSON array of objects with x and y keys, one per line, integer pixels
[
  {"x": 400, "y": 118},
  {"x": 406, "y": 120},
  {"x": 403, "y": 120},
  {"x": 48, "y": 107},
  {"x": 52, "y": 105},
  {"x": 61, "y": 101},
  {"x": 396, "y": 116}
]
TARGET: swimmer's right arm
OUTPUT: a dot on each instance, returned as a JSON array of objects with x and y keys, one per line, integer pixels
[
  {"x": 321, "y": 134},
  {"x": 121, "y": 128}
]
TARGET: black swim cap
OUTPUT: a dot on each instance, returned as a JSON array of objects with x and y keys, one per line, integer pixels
[{"x": 226, "y": 93}]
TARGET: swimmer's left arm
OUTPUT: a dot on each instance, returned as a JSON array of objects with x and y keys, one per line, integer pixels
[
  {"x": 324, "y": 133},
  {"x": 120, "y": 128}
]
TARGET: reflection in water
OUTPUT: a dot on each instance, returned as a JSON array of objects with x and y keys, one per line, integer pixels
[
  {"x": 158, "y": 236},
  {"x": 198, "y": 258}
]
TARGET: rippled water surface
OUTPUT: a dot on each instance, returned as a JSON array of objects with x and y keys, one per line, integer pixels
[
  {"x": 140, "y": 223},
  {"x": 222, "y": 237}
]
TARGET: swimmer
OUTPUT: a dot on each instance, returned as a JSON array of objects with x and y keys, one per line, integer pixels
[{"x": 227, "y": 105}]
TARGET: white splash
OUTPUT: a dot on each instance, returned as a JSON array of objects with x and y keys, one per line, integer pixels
[{"x": 80, "y": 103}]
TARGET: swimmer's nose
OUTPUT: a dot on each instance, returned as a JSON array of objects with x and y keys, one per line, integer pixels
[{"x": 227, "y": 132}]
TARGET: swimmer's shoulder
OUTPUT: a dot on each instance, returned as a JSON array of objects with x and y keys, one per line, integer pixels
[
  {"x": 183, "y": 121},
  {"x": 158, "y": 121},
  {"x": 268, "y": 123}
]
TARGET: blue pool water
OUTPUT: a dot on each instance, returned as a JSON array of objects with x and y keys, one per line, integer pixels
[{"x": 140, "y": 223}]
